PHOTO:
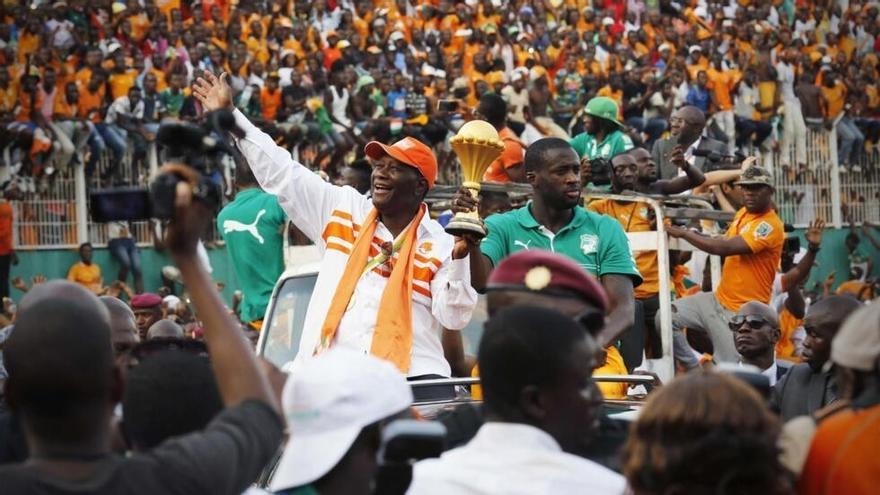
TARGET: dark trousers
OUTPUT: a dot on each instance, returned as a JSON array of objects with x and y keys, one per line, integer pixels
[
  {"x": 650, "y": 306},
  {"x": 632, "y": 341},
  {"x": 5, "y": 262},
  {"x": 746, "y": 128}
]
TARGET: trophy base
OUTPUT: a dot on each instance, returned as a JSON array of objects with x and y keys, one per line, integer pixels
[{"x": 459, "y": 226}]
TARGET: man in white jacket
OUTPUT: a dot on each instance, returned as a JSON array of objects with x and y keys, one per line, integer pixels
[{"x": 390, "y": 279}]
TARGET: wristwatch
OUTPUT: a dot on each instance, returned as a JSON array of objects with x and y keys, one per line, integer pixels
[{"x": 814, "y": 248}]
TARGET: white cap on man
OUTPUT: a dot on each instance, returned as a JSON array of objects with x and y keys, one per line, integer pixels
[
  {"x": 857, "y": 343},
  {"x": 327, "y": 402}
]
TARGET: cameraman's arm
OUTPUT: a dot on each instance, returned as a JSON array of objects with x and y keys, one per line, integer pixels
[{"x": 238, "y": 375}]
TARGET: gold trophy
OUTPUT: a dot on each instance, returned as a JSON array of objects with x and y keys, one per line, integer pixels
[{"x": 477, "y": 145}]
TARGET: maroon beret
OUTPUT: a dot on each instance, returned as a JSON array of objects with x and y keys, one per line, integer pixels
[
  {"x": 546, "y": 272},
  {"x": 145, "y": 301}
]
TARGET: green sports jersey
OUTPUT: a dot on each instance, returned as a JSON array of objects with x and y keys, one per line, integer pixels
[
  {"x": 595, "y": 242},
  {"x": 615, "y": 143},
  {"x": 252, "y": 226}
]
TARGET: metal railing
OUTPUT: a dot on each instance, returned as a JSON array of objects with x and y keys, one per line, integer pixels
[
  {"x": 54, "y": 212},
  {"x": 823, "y": 189}
]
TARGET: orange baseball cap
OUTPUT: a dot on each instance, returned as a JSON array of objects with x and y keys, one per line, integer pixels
[{"x": 410, "y": 151}]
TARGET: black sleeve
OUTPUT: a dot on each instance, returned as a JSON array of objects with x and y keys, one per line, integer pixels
[{"x": 226, "y": 457}]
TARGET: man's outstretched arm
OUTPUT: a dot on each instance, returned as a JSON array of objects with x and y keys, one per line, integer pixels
[{"x": 303, "y": 195}]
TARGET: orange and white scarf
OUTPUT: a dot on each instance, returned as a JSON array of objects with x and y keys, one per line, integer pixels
[{"x": 393, "y": 336}]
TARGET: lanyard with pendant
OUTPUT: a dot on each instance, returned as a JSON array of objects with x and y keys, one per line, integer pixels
[{"x": 382, "y": 257}]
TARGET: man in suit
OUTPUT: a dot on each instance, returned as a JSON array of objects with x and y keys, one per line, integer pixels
[
  {"x": 755, "y": 330},
  {"x": 810, "y": 385},
  {"x": 686, "y": 126}
]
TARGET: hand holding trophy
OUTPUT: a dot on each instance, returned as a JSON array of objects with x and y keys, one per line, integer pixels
[{"x": 477, "y": 145}]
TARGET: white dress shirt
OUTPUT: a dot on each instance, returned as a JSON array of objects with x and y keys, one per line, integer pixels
[
  {"x": 331, "y": 216},
  {"x": 512, "y": 459}
]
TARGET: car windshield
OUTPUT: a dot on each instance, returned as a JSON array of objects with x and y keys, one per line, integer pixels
[
  {"x": 286, "y": 320},
  {"x": 288, "y": 313}
]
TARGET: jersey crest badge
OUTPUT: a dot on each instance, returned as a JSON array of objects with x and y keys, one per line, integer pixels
[{"x": 589, "y": 243}]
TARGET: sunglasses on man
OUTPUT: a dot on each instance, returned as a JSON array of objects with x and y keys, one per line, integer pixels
[{"x": 754, "y": 322}]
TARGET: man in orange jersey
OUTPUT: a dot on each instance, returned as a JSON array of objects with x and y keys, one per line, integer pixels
[
  {"x": 753, "y": 248},
  {"x": 391, "y": 278},
  {"x": 636, "y": 216}
]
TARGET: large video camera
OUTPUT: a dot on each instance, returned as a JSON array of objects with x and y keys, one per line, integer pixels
[
  {"x": 600, "y": 171},
  {"x": 719, "y": 161},
  {"x": 201, "y": 147}
]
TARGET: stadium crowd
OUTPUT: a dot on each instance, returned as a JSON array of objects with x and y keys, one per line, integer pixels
[{"x": 344, "y": 112}]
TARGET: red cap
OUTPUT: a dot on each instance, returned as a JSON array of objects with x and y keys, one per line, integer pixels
[
  {"x": 146, "y": 300},
  {"x": 410, "y": 151},
  {"x": 546, "y": 272}
]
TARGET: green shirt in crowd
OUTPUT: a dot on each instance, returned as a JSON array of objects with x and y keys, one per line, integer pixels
[
  {"x": 173, "y": 102},
  {"x": 253, "y": 226},
  {"x": 615, "y": 143},
  {"x": 595, "y": 242}
]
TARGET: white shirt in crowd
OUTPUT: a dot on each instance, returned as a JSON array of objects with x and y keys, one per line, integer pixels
[
  {"x": 330, "y": 215},
  {"x": 786, "y": 77},
  {"x": 513, "y": 459},
  {"x": 122, "y": 106}
]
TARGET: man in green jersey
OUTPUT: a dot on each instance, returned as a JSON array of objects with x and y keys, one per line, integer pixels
[
  {"x": 252, "y": 226},
  {"x": 604, "y": 136},
  {"x": 554, "y": 221}
]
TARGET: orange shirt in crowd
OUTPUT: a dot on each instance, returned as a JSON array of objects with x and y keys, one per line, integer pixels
[
  {"x": 63, "y": 109},
  {"x": 26, "y": 105},
  {"x": 617, "y": 96},
  {"x": 749, "y": 277},
  {"x": 166, "y": 6},
  {"x": 614, "y": 365},
  {"x": 511, "y": 156},
  {"x": 843, "y": 455},
  {"x": 721, "y": 83},
  {"x": 270, "y": 102},
  {"x": 90, "y": 103},
  {"x": 785, "y": 348},
  {"x": 27, "y": 45},
  {"x": 8, "y": 98},
  {"x": 5, "y": 227},
  {"x": 835, "y": 98},
  {"x": 121, "y": 82},
  {"x": 634, "y": 217},
  {"x": 89, "y": 276}
]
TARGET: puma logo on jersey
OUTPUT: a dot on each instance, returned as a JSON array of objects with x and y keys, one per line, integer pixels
[
  {"x": 525, "y": 245},
  {"x": 236, "y": 226}
]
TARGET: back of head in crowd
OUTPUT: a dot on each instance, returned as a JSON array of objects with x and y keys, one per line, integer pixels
[
  {"x": 704, "y": 433},
  {"x": 62, "y": 379},
  {"x": 169, "y": 393},
  {"x": 244, "y": 177},
  {"x": 535, "y": 368},
  {"x": 493, "y": 109}
]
